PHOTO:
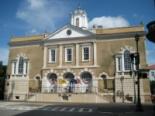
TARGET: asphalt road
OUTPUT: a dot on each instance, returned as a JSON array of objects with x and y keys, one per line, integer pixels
[{"x": 59, "y": 109}]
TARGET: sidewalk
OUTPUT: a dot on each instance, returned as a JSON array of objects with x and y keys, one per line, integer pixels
[{"x": 127, "y": 109}]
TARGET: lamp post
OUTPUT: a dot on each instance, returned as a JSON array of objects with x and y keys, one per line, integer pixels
[
  {"x": 150, "y": 36},
  {"x": 132, "y": 57},
  {"x": 138, "y": 105}
]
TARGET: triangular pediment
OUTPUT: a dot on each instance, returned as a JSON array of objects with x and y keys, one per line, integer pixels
[{"x": 69, "y": 31}]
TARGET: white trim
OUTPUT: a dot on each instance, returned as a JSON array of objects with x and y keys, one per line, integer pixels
[
  {"x": 24, "y": 70},
  {"x": 121, "y": 55},
  {"x": 66, "y": 59},
  {"x": 123, "y": 62},
  {"x": 75, "y": 67},
  {"x": 13, "y": 67},
  {"x": 117, "y": 63},
  {"x": 49, "y": 55}
]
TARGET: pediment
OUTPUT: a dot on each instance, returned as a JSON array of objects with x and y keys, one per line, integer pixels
[{"x": 69, "y": 31}]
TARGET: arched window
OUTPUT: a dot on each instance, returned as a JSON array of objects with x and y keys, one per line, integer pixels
[
  {"x": 123, "y": 62},
  {"x": 52, "y": 77},
  {"x": 77, "y": 22},
  {"x": 21, "y": 65},
  {"x": 127, "y": 60},
  {"x": 68, "y": 76}
]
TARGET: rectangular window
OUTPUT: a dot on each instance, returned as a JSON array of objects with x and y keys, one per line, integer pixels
[
  {"x": 52, "y": 55},
  {"x": 152, "y": 74},
  {"x": 85, "y": 53},
  {"x": 68, "y": 54},
  {"x": 21, "y": 65}
]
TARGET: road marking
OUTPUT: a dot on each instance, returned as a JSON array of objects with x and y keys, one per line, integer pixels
[
  {"x": 85, "y": 110},
  {"x": 63, "y": 109},
  {"x": 46, "y": 108},
  {"x": 55, "y": 108},
  {"x": 71, "y": 110},
  {"x": 49, "y": 108}
]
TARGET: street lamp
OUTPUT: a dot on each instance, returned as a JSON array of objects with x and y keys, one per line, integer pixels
[
  {"x": 138, "y": 105},
  {"x": 132, "y": 57},
  {"x": 150, "y": 36}
]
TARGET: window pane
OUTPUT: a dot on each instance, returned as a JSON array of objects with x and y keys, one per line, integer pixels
[
  {"x": 69, "y": 54},
  {"x": 21, "y": 65},
  {"x": 119, "y": 63},
  {"x": 152, "y": 74},
  {"x": 77, "y": 22},
  {"x": 127, "y": 60},
  {"x": 53, "y": 55},
  {"x": 86, "y": 53}
]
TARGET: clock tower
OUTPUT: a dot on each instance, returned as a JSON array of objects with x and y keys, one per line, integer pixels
[{"x": 79, "y": 18}]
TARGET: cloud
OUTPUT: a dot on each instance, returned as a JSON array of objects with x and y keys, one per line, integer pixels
[
  {"x": 109, "y": 22},
  {"x": 4, "y": 55},
  {"x": 42, "y": 15},
  {"x": 150, "y": 52}
]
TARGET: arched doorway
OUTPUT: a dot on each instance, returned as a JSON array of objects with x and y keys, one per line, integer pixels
[
  {"x": 87, "y": 80},
  {"x": 104, "y": 78},
  {"x": 71, "y": 82},
  {"x": 38, "y": 81},
  {"x": 52, "y": 78}
]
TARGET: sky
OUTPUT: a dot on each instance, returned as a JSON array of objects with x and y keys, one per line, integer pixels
[{"x": 31, "y": 17}]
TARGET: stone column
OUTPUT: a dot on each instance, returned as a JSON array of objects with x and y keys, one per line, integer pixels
[
  {"x": 77, "y": 55},
  {"x": 12, "y": 67},
  {"x": 25, "y": 67},
  {"x": 45, "y": 57},
  {"x": 123, "y": 69},
  {"x": 60, "y": 56},
  {"x": 95, "y": 54},
  {"x": 116, "y": 64}
]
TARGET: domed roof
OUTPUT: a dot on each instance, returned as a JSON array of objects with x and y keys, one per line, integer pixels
[{"x": 79, "y": 11}]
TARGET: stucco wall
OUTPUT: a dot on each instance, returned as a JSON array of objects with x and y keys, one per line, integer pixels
[{"x": 35, "y": 58}]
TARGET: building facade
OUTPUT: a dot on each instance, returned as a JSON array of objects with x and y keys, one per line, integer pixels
[
  {"x": 151, "y": 73},
  {"x": 76, "y": 64}
]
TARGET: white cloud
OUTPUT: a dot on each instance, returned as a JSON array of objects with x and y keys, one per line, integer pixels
[
  {"x": 41, "y": 15},
  {"x": 4, "y": 55},
  {"x": 109, "y": 22}
]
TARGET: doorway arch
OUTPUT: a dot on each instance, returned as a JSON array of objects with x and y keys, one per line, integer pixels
[
  {"x": 87, "y": 80},
  {"x": 71, "y": 81},
  {"x": 52, "y": 78}
]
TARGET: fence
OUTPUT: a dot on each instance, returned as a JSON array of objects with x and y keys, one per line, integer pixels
[{"x": 22, "y": 90}]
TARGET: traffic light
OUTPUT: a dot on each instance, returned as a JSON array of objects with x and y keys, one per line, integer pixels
[{"x": 143, "y": 75}]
